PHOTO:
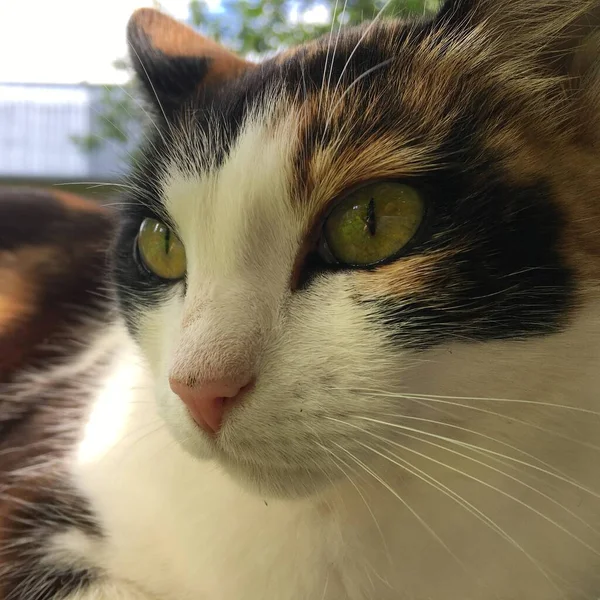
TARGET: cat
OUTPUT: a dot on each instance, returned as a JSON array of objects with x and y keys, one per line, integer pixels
[
  {"x": 354, "y": 347},
  {"x": 53, "y": 253}
]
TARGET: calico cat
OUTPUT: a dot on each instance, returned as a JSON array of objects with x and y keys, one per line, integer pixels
[{"x": 357, "y": 348}]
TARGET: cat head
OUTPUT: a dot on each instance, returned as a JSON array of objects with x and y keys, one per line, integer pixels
[{"x": 321, "y": 244}]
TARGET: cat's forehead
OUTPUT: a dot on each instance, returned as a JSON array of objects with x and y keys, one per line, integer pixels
[
  {"x": 362, "y": 106},
  {"x": 380, "y": 101},
  {"x": 418, "y": 101}
]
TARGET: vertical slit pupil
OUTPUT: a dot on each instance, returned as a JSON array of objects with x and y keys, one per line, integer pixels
[
  {"x": 167, "y": 240},
  {"x": 371, "y": 218}
]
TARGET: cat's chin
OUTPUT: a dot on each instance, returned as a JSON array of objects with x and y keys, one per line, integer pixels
[
  {"x": 265, "y": 480},
  {"x": 275, "y": 481}
]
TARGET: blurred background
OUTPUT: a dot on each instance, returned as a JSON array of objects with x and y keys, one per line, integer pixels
[{"x": 68, "y": 117}]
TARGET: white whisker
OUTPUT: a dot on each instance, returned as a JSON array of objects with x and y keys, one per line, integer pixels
[
  {"x": 403, "y": 501},
  {"x": 357, "y": 46},
  {"x": 338, "y": 460},
  {"x": 549, "y": 470},
  {"x": 491, "y": 413},
  {"x": 469, "y": 507},
  {"x": 160, "y": 106},
  {"x": 477, "y": 480},
  {"x": 510, "y": 401},
  {"x": 327, "y": 55},
  {"x": 141, "y": 107}
]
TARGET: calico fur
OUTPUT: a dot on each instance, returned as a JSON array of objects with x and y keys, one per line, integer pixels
[
  {"x": 423, "y": 429},
  {"x": 54, "y": 296}
]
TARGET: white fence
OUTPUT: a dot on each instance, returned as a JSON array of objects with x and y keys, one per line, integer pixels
[{"x": 37, "y": 127}]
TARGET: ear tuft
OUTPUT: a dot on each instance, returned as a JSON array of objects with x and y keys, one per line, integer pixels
[{"x": 172, "y": 61}]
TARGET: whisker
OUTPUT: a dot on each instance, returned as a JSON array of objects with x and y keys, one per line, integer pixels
[
  {"x": 403, "y": 501},
  {"x": 162, "y": 110},
  {"x": 357, "y": 46},
  {"x": 476, "y": 479},
  {"x": 461, "y": 501},
  {"x": 550, "y": 470},
  {"x": 141, "y": 107},
  {"x": 491, "y": 523},
  {"x": 326, "y": 586},
  {"x": 155, "y": 426},
  {"x": 96, "y": 184},
  {"x": 432, "y": 397},
  {"x": 349, "y": 88},
  {"x": 545, "y": 496},
  {"x": 337, "y": 39},
  {"x": 337, "y": 460},
  {"x": 492, "y": 413},
  {"x": 327, "y": 55},
  {"x": 511, "y": 401}
]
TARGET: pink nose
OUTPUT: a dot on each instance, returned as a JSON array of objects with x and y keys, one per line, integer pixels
[{"x": 207, "y": 401}]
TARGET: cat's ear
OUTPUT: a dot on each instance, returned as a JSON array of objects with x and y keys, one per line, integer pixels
[{"x": 172, "y": 61}]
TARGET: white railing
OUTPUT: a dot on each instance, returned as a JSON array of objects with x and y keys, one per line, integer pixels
[{"x": 37, "y": 127}]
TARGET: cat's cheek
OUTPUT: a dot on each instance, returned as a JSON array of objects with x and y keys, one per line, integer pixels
[{"x": 158, "y": 335}]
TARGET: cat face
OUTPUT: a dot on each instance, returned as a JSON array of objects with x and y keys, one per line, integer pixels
[{"x": 321, "y": 249}]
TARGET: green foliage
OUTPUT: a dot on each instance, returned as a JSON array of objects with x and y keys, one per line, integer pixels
[
  {"x": 260, "y": 26},
  {"x": 116, "y": 112},
  {"x": 252, "y": 28}
]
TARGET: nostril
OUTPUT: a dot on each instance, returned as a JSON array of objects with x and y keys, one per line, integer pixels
[{"x": 208, "y": 401}]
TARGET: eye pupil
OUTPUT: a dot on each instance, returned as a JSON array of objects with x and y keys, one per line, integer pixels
[
  {"x": 371, "y": 219},
  {"x": 167, "y": 240}
]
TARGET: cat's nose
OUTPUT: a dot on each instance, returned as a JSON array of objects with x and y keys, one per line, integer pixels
[{"x": 208, "y": 401}]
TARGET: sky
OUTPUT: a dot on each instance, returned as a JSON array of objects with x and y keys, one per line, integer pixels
[
  {"x": 68, "y": 41},
  {"x": 72, "y": 41}
]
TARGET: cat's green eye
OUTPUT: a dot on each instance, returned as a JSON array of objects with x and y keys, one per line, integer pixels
[
  {"x": 160, "y": 250},
  {"x": 373, "y": 223}
]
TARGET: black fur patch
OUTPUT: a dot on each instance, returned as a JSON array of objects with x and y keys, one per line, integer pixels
[
  {"x": 170, "y": 80},
  {"x": 36, "y": 217},
  {"x": 26, "y": 572},
  {"x": 503, "y": 276}
]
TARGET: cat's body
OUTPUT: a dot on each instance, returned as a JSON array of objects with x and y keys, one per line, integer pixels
[{"x": 264, "y": 422}]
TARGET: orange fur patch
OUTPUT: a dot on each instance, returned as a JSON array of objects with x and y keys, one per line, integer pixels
[
  {"x": 17, "y": 299},
  {"x": 409, "y": 275},
  {"x": 175, "y": 39},
  {"x": 21, "y": 275}
]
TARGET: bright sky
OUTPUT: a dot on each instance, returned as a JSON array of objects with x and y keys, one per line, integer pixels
[
  {"x": 67, "y": 41},
  {"x": 70, "y": 41}
]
